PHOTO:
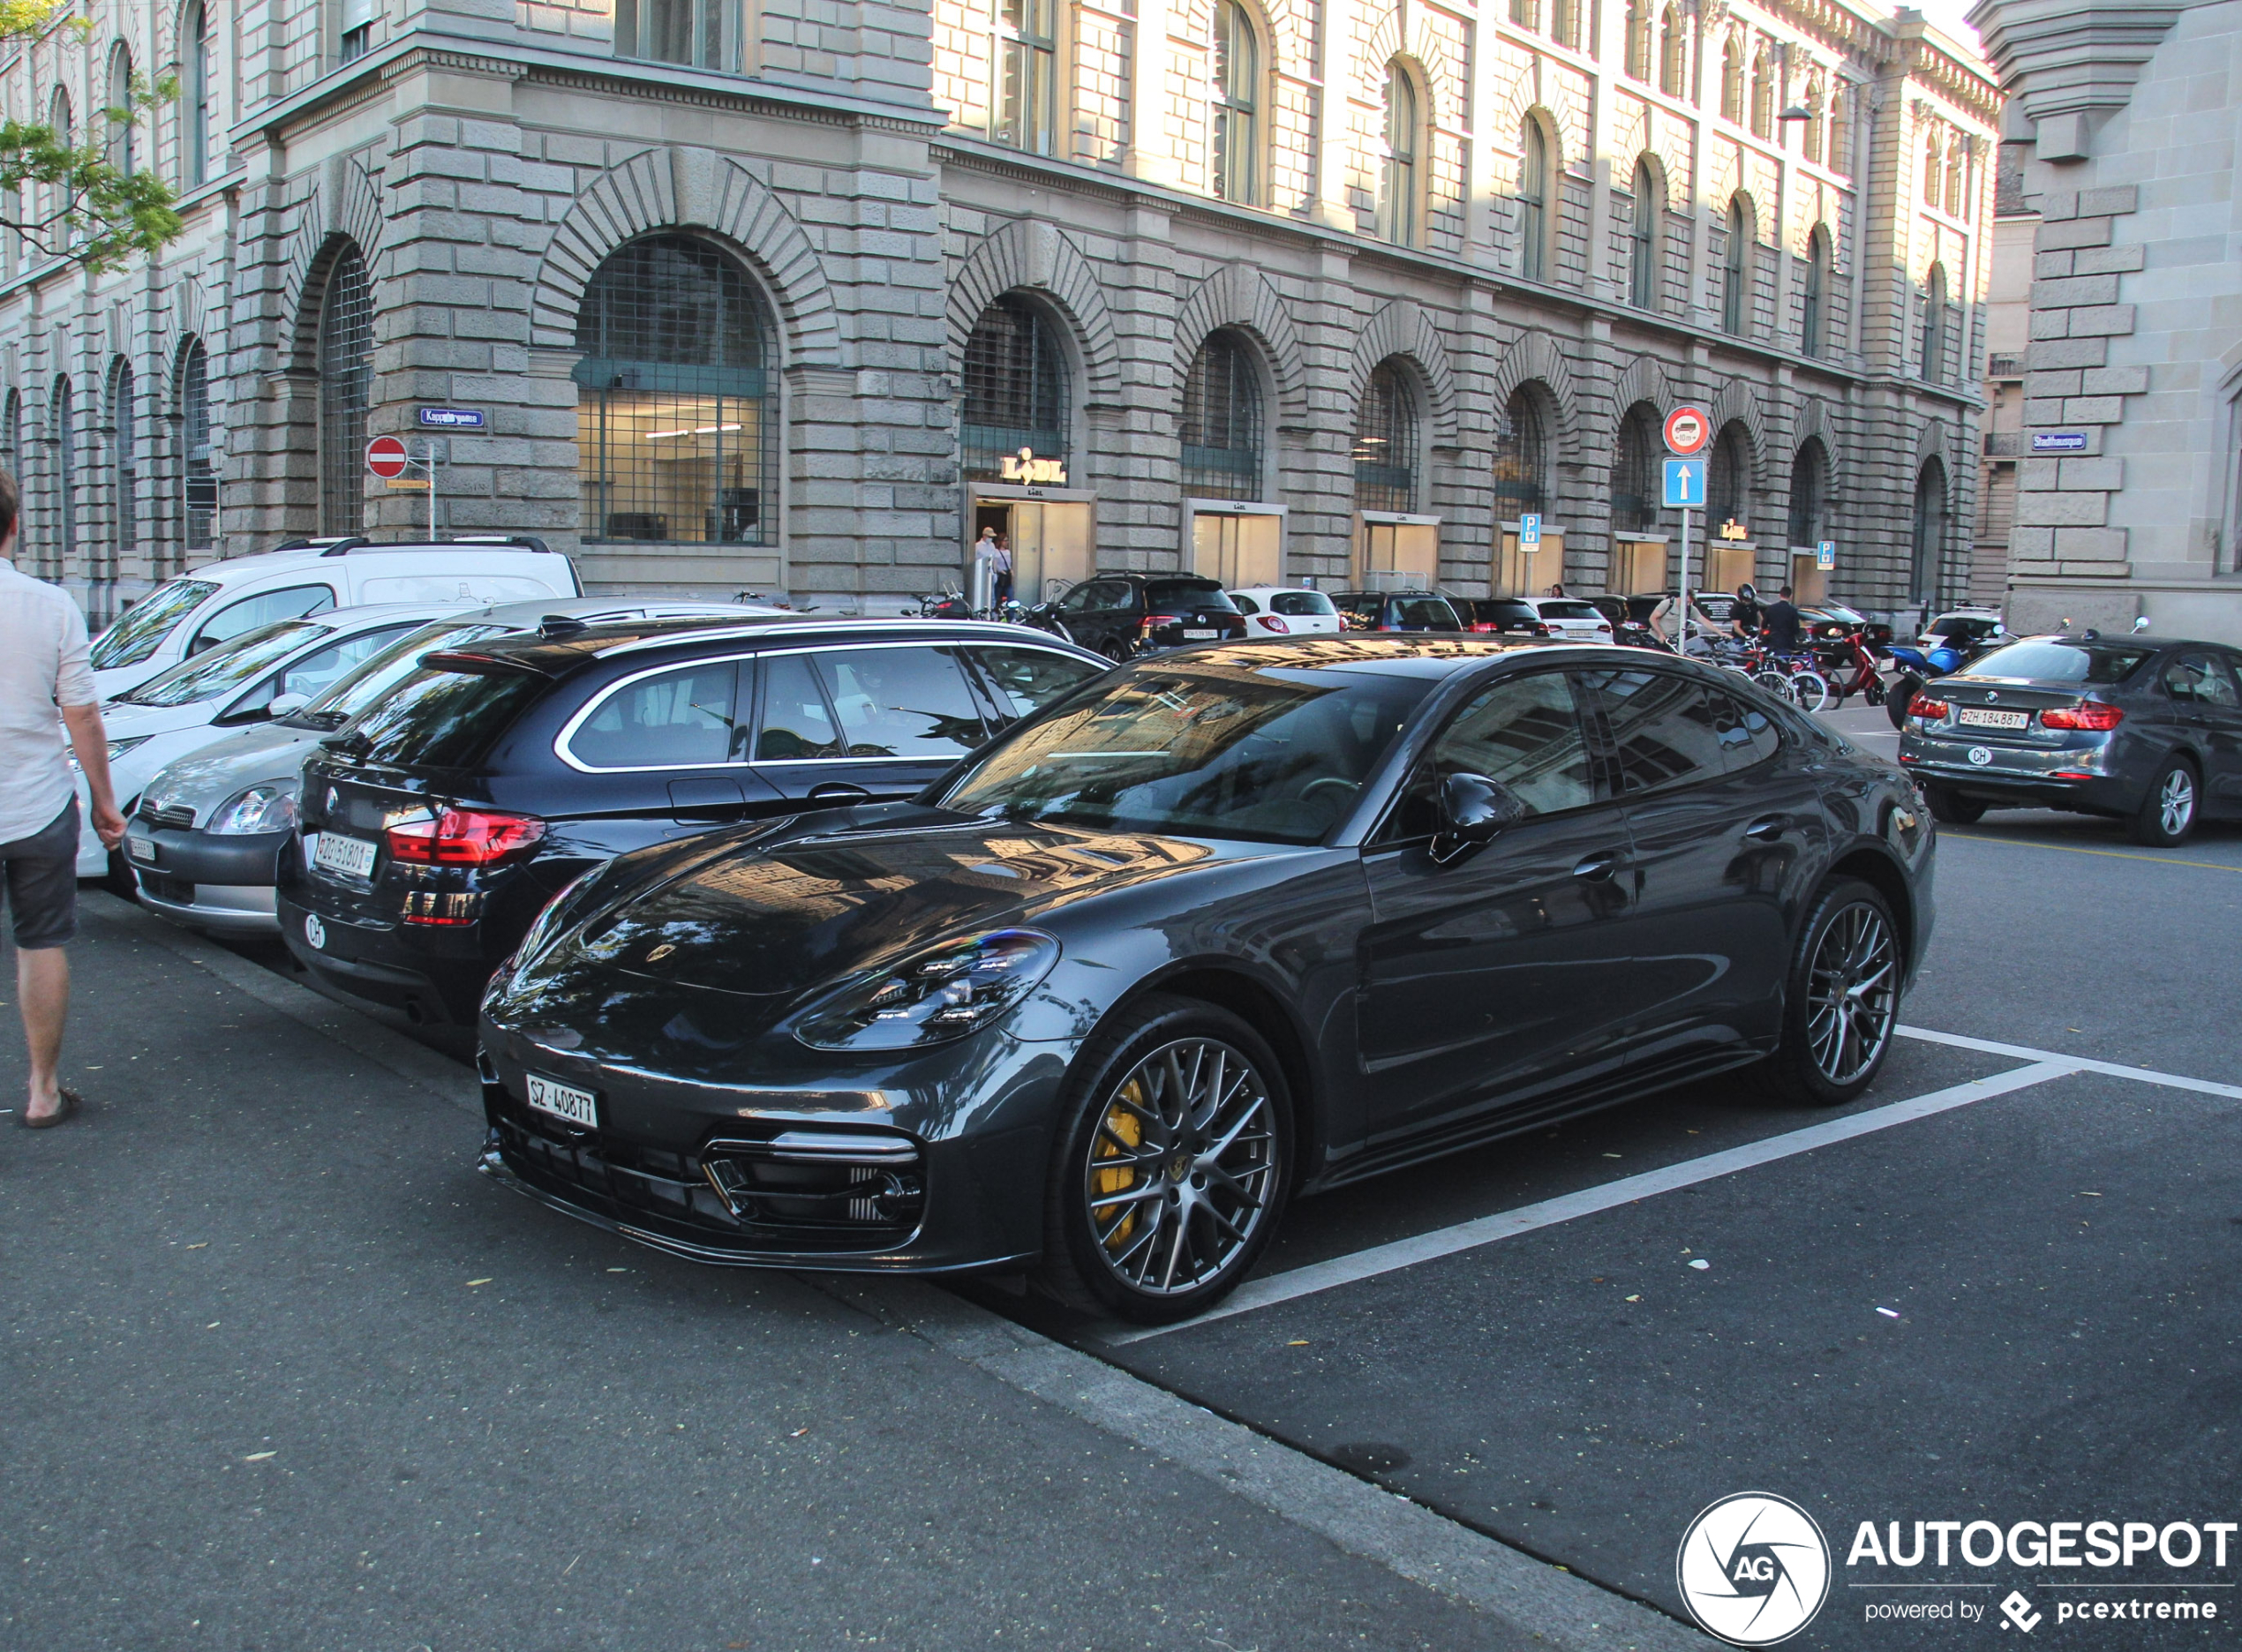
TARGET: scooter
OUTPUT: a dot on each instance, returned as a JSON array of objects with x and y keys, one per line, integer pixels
[{"x": 1916, "y": 666}]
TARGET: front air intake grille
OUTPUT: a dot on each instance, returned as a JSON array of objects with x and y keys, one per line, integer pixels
[
  {"x": 177, "y": 816},
  {"x": 791, "y": 1191}
]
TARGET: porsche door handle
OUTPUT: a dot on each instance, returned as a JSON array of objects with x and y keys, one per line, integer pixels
[
  {"x": 838, "y": 791},
  {"x": 1598, "y": 868}
]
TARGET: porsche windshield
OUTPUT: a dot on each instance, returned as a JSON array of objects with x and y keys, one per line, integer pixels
[{"x": 1216, "y": 750}]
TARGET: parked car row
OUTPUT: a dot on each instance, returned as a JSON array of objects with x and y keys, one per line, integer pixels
[{"x": 927, "y": 945}]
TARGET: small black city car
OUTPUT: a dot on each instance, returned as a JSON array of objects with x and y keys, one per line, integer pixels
[
  {"x": 1120, "y": 616},
  {"x": 1222, "y": 926},
  {"x": 1397, "y": 610},
  {"x": 2147, "y": 731},
  {"x": 436, "y": 825}
]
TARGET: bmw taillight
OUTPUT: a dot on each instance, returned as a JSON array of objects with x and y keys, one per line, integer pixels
[
  {"x": 2092, "y": 715},
  {"x": 465, "y": 838},
  {"x": 1271, "y": 622},
  {"x": 1929, "y": 710}
]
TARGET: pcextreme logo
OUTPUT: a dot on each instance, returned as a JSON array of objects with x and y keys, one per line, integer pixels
[{"x": 1753, "y": 1568}]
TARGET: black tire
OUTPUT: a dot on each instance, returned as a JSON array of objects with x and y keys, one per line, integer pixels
[
  {"x": 2170, "y": 808},
  {"x": 1819, "y": 1065},
  {"x": 1950, "y": 807},
  {"x": 1113, "y": 651},
  {"x": 1106, "y": 1098},
  {"x": 1896, "y": 698}
]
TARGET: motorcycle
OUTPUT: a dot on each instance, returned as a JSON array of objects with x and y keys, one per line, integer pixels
[{"x": 1917, "y": 665}]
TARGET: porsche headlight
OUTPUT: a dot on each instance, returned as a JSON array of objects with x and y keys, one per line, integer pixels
[
  {"x": 551, "y": 921},
  {"x": 945, "y": 994},
  {"x": 262, "y": 809}
]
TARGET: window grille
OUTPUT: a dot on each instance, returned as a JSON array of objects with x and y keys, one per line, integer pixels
[
  {"x": 1533, "y": 202},
  {"x": 346, "y": 393},
  {"x": 1806, "y": 493},
  {"x": 1015, "y": 389},
  {"x": 688, "y": 31},
  {"x": 1520, "y": 456},
  {"x": 1728, "y": 483},
  {"x": 1222, "y": 424},
  {"x": 1386, "y": 442},
  {"x": 198, "y": 475},
  {"x": 677, "y": 403},
  {"x": 1634, "y": 490}
]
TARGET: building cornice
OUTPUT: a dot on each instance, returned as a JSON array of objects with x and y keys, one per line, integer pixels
[{"x": 2070, "y": 64}]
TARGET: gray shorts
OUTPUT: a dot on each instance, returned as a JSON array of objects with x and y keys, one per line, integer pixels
[{"x": 41, "y": 882}]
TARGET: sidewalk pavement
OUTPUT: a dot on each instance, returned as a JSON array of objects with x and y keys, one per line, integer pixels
[{"x": 284, "y": 1373}]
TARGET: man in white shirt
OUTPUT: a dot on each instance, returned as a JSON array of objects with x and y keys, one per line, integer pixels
[{"x": 46, "y": 688}]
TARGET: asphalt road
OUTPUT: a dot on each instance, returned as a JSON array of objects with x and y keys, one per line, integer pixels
[{"x": 284, "y": 1373}]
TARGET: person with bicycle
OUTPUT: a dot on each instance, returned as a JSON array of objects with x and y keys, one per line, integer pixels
[{"x": 1744, "y": 617}]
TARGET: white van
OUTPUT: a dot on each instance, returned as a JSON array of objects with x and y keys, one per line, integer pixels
[{"x": 183, "y": 616}]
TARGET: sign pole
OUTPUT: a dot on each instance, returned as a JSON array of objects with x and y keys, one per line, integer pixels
[
  {"x": 1685, "y": 580},
  {"x": 1687, "y": 430}
]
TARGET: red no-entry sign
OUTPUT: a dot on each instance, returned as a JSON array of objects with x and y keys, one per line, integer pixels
[
  {"x": 386, "y": 457},
  {"x": 1688, "y": 429}
]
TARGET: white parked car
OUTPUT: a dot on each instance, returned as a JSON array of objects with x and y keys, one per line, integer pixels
[
  {"x": 1966, "y": 626},
  {"x": 183, "y": 617},
  {"x": 205, "y": 840},
  {"x": 1285, "y": 611},
  {"x": 1571, "y": 617},
  {"x": 253, "y": 678}
]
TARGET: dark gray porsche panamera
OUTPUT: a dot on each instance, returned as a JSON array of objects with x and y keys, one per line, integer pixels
[{"x": 1219, "y": 928}]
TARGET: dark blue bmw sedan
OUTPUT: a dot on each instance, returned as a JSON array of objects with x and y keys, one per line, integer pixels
[{"x": 1224, "y": 926}]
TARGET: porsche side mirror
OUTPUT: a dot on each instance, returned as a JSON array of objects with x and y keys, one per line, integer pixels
[{"x": 1474, "y": 809}]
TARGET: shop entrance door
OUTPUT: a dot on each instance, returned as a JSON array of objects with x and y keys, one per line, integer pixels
[
  {"x": 1395, "y": 552},
  {"x": 1241, "y": 550},
  {"x": 1049, "y": 541}
]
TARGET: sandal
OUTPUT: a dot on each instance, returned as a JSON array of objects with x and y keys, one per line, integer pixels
[{"x": 70, "y": 1103}]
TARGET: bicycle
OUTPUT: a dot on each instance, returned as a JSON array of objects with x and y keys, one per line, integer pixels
[{"x": 1790, "y": 677}]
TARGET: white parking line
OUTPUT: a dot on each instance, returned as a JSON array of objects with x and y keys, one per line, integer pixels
[
  {"x": 1401, "y": 1253},
  {"x": 2112, "y": 1069}
]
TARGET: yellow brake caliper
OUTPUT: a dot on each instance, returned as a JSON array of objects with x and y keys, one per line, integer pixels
[{"x": 1125, "y": 1125}]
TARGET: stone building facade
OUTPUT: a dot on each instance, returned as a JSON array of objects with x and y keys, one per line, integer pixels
[
  {"x": 2129, "y": 499},
  {"x": 800, "y": 296}
]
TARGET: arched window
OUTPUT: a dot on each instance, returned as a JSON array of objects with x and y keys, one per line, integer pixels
[
  {"x": 1644, "y": 250},
  {"x": 1928, "y": 571},
  {"x": 1674, "y": 46},
  {"x": 1814, "y": 128},
  {"x": 677, "y": 398},
  {"x": 1536, "y": 186},
  {"x": 1564, "y": 22},
  {"x": 125, "y": 470},
  {"x": 1957, "y": 165},
  {"x": 1386, "y": 441},
  {"x": 58, "y": 120},
  {"x": 194, "y": 97},
  {"x": 1397, "y": 180},
  {"x": 199, "y": 471},
  {"x": 123, "y": 143},
  {"x": 1809, "y": 472},
  {"x": 1841, "y": 129},
  {"x": 1731, "y": 80},
  {"x": 346, "y": 392},
  {"x": 1735, "y": 289},
  {"x": 1634, "y": 490},
  {"x": 63, "y": 427},
  {"x": 1934, "y": 327},
  {"x": 1023, "y": 100},
  {"x": 1015, "y": 388},
  {"x": 1520, "y": 456},
  {"x": 1813, "y": 304},
  {"x": 1763, "y": 91},
  {"x": 1727, "y": 481},
  {"x": 1638, "y": 38},
  {"x": 1236, "y": 120},
  {"x": 1222, "y": 424},
  {"x": 1933, "y": 166}
]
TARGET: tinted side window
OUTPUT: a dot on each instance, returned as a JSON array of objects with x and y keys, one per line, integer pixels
[
  {"x": 678, "y": 719},
  {"x": 1425, "y": 613},
  {"x": 1747, "y": 734},
  {"x": 1668, "y": 728},
  {"x": 2199, "y": 679},
  {"x": 901, "y": 702},
  {"x": 1300, "y": 603},
  {"x": 1525, "y": 731},
  {"x": 1025, "y": 680},
  {"x": 444, "y": 720},
  {"x": 796, "y": 721},
  {"x": 264, "y": 609},
  {"x": 1245, "y": 604},
  {"x": 1078, "y": 599}
]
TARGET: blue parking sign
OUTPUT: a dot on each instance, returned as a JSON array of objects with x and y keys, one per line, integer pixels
[
  {"x": 1529, "y": 531},
  {"x": 1685, "y": 485},
  {"x": 1825, "y": 554}
]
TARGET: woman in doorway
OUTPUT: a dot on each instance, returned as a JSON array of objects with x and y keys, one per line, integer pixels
[{"x": 992, "y": 552}]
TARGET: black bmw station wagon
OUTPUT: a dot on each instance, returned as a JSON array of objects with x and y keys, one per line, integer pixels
[{"x": 437, "y": 825}]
